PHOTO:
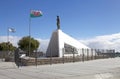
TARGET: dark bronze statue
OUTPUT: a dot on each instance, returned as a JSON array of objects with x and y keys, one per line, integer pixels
[{"x": 58, "y": 22}]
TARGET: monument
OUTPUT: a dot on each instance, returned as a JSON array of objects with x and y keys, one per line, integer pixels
[
  {"x": 58, "y": 22},
  {"x": 61, "y": 43}
]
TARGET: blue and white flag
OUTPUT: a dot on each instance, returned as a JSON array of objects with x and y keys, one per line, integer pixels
[{"x": 11, "y": 30}]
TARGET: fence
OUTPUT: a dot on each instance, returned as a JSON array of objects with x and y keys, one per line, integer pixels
[
  {"x": 7, "y": 56},
  {"x": 82, "y": 55},
  {"x": 75, "y": 56}
]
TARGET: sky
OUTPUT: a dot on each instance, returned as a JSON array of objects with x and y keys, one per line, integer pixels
[{"x": 84, "y": 20}]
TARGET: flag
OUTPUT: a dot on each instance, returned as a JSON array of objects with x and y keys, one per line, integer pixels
[
  {"x": 11, "y": 30},
  {"x": 35, "y": 13}
]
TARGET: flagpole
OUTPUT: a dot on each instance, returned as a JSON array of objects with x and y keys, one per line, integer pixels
[
  {"x": 29, "y": 34},
  {"x": 8, "y": 38},
  {"x": 8, "y": 34},
  {"x": 34, "y": 14}
]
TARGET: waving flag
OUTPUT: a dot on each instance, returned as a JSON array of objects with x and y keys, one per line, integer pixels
[
  {"x": 11, "y": 30},
  {"x": 35, "y": 13}
]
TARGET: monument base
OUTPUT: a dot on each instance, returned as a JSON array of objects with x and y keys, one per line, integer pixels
[{"x": 61, "y": 43}]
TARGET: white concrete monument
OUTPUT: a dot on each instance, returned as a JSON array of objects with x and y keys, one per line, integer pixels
[
  {"x": 60, "y": 40},
  {"x": 61, "y": 43}
]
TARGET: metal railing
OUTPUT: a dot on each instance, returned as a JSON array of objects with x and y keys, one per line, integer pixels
[{"x": 82, "y": 56}]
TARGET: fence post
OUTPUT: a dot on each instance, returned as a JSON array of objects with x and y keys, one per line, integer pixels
[
  {"x": 80, "y": 50},
  {"x": 91, "y": 54},
  {"x": 114, "y": 53},
  {"x": 82, "y": 54},
  {"x": 50, "y": 57},
  {"x": 103, "y": 53},
  {"x": 95, "y": 53},
  {"x": 2, "y": 55},
  {"x": 73, "y": 55},
  {"x": 63, "y": 55},
  {"x": 87, "y": 54},
  {"x": 36, "y": 58}
]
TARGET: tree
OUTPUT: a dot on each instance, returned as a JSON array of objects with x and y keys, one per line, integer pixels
[
  {"x": 7, "y": 46},
  {"x": 23, "y": 44}
]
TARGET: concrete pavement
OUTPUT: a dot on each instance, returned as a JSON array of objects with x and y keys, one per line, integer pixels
[{"x": 95, "y": 69}]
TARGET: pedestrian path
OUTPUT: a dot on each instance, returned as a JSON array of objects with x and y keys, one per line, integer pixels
[
  {"x": 7, "y": 65},
  {"x": 95, "y": 69}
]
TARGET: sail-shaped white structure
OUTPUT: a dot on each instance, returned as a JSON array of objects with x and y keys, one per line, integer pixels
[{"x": 60, "y": 40}]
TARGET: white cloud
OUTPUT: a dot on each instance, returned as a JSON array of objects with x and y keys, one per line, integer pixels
[
  {"x": 13, "y": 39},
  {"x": 99, "y": 42},
  {"x": 104, "y": 42},
  {"x": 43, "y": 44}
]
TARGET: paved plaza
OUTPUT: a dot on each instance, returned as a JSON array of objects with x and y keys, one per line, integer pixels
[{"x": 95, "y": 69}]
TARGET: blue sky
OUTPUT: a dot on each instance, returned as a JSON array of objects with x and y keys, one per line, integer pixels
[{"x": 79, "y": 18}]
